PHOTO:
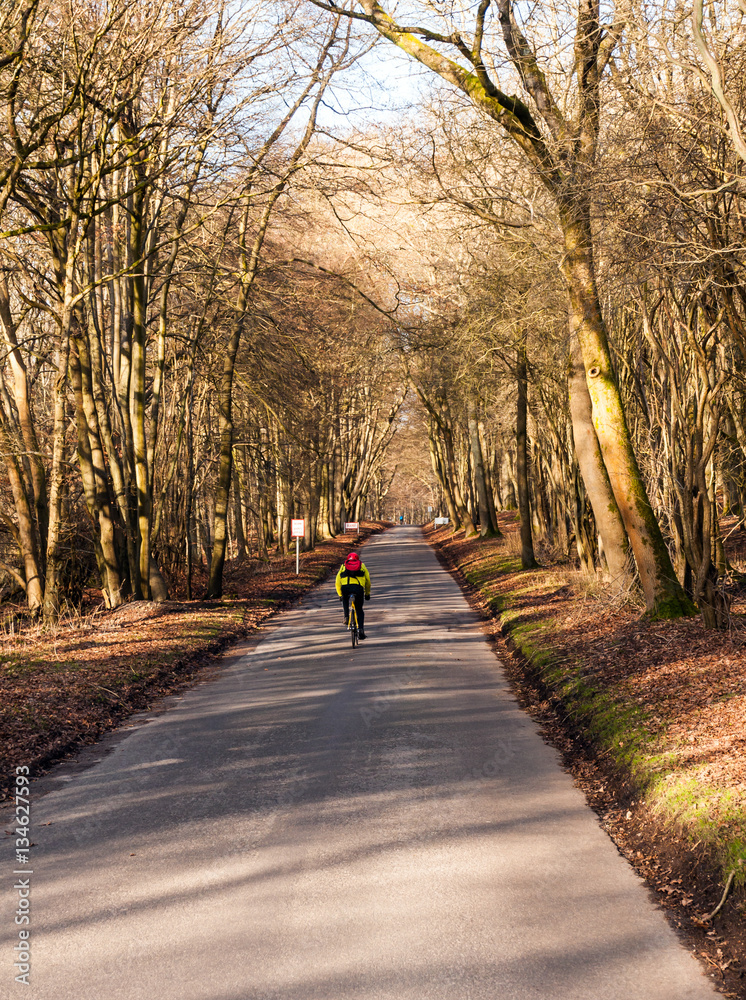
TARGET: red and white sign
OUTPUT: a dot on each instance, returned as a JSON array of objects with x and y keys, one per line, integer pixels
[
  {"x": 352, "y": 526},
  {"x": 297, "y": 527}
]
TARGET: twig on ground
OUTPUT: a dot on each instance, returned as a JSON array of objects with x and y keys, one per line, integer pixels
[
  {"x": 711, "y": 916},
  {"x": 108, "y": 691}
]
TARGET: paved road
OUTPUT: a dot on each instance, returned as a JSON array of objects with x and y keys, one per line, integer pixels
[{"x": 383, "y": 824}]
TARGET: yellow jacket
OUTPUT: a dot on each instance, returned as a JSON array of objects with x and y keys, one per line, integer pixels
[{"x": 346, "y": 576}]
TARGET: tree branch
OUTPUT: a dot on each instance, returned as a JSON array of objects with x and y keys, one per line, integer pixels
[
  {"x": 509, "y": 112},
  {"x": 716, "y": 79},
  {"x": 527, "y": 65}
]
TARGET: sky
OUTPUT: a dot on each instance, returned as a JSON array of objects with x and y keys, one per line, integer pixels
[{"x": 380, "y": 89}]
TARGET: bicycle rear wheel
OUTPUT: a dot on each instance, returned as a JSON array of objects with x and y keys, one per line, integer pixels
[{"x": 352, "y": 625}]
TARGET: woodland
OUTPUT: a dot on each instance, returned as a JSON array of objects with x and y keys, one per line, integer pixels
[{"x": 227, "y": 301}]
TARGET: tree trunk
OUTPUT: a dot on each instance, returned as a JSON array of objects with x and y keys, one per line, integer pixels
[
  {"x": 52, "y": 596},
  {"x": 325, "y": 529},
  {"x": 93, "y": 471},
  {"x": 188, "y": 494},
  {"x": 26, "y": 536},
  {"x": 25, "y": 417},
  {"x": 238, "y": 507},
  {"x": 137, "y": 396},
  {"x": 488, "y": 482},
  {"x": 225, "y": 467},
  {"x": 595, "y": 478},
  {"x": 486, "y": 516},
  {"x": 440, "y": 473},
  {"x": 337, "y": 479},
  {"x": 528, "y": 559},
  {"x": 664, "y": 595},
  {"x": 464, "y": 517},
  {"x": 584, "y": 540}
]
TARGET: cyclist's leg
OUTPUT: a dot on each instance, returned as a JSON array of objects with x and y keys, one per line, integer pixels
[
  {"x": 346, "y": 602},
  {"x": 359, "y": 605}
]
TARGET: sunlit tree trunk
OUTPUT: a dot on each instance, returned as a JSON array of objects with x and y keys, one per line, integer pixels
[
  {"x": 491, "y": 507},
  {"x": 337, "y": 479},
  {"x": 238, "y": 511},
  {"x": 55, "y": 554},
  {"x": 595, "y": 478},
  {"x": 664, "y": 595},
  {"x": 22, "y": 401},
  {"x": 440, "y": 473},
  {"x": 137, "y": 408},
  {"x": 93, "y": 471},
  {"x": 121, "y": 361},
  {"x": 24, "y": 532},
  {"x": 225, "y": 467}
]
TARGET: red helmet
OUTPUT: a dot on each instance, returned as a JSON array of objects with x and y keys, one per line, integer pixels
[{"x": 352, "y": 562}]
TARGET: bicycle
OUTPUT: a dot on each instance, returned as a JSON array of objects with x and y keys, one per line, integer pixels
[{"x": 352, "y": 624}]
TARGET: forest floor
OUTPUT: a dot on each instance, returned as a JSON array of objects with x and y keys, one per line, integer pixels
[
  {"x": 650, "y": 717},
  {"x": 63, "y": 687}
]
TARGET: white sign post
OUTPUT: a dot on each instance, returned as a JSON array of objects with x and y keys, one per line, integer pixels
[
  {"x": 298, "y": 531},
  {"x": 352, "y": 526}
]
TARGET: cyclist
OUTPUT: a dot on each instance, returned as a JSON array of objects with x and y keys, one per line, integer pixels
[{"x": 353, "y": 580}]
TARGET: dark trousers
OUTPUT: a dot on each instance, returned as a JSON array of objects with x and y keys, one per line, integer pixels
[{"x": 357, "y": 592}]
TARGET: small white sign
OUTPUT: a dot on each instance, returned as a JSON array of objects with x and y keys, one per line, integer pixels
[
  {"x": 352, "y": 526},
  {"x": 440, "y": 520},
  {"x": 298, "y": 527},
  {"x": 429, "y": 510}
]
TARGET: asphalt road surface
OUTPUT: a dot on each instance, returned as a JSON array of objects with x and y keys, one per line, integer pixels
[{"x": 318, "y": 822}]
